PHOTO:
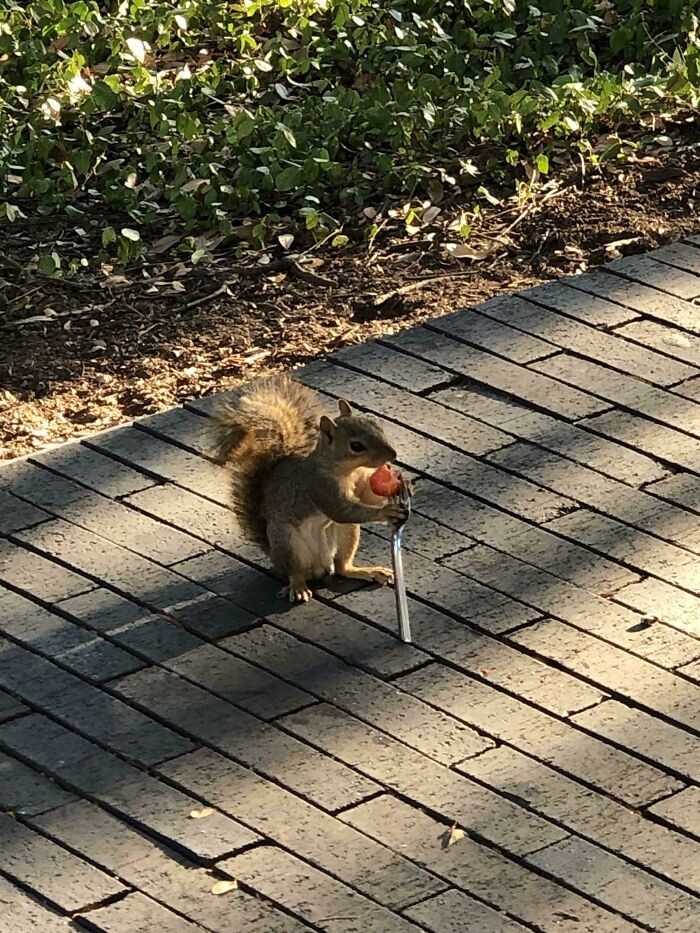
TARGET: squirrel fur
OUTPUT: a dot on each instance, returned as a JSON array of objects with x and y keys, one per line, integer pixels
[{"x": 300, "y": 480}]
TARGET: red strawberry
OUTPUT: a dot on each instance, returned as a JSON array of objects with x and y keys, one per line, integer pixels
[{"x": 386, "y": 481}]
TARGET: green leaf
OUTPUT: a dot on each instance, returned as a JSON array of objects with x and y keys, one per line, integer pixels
[
  {"x": 109, "y": 235},
  {"x": 542, "y": 163},
  {"x": 47, "y": 264},
  {"x": 339, "y": 240},
  {"x": 288, "y": 178}
]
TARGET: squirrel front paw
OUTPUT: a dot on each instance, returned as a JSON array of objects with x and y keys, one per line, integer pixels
[
  {"x": 394, "y": 512},
  {"x": 296, "y": 592}
]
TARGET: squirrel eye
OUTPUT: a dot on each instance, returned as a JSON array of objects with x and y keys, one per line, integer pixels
[{"x": 356, "y": 447}]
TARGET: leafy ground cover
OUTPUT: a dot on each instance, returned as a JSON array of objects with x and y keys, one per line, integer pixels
[{"x": 188, "y": 188}]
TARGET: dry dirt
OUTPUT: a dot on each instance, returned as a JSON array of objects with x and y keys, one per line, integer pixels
[{"x": 109, "y": 349}]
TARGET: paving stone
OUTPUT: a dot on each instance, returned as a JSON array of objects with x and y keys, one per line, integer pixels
[
  {"x": 189, "y": 430},
  {"x": 93, "y": 470},
  {"x": 357, "y": 643},
  {"x": 65, "y": 880},
  {"x": 667, "y": 603},
  {"x": 19, "y": 913},
  {"x": 39, "y": 576},
  {"x": 558, "y": 556},
  {"x": 160, "y": 872},
  {"x": 89, "y": 770},
  {"x": 637, "y": 297},
  {"x": 422, "y": 414},
  {"x": 492, "y": 335},
  {"x": 647, "y": 269},
  {"x": 588, "y": 342},
  {"x": 86, "y": 708},
  {"x": 618, "y": 671},
  {"x": 246, "y": 738},
  {"x": 136, "y": 577},
  {"x": 632, "y": 506},
  {"x": 166, "y": 461},
  {"x": 108, "y": 519},
  {"x": 499, "y": 374},
  {"x": 631, "y": 546},
  {"x": 27, "y": 792},
  {"x": 372, "y": 700},
  {"x": 137, "y": 914},
  {"x": 555, "y": 742},
  {"x": 9, "y": 706},
  {"x": 592, "y": 815},
  {"x": 584, "y": 307},
  {"x": 680, "y": 255},
  {"x": 689, "y": 389},
  {"x": 482, "y": 871},
  {"x": 240, "y": 683},
  {"x": 646, "y": 735},
  {"x": 456, "y": 912},
  {"x": 324, "y": 841},
  {"x": 681, "y": 810},
  {"x": 628, "y": 466},
  {"x": 682, "y": 488},
  {"x": 436, "y": 460},
  {"x": 665, "y": 339},
  {"x": 621, "y": 886},
  {"x": 625, "y": 391},
  {"x": 479, "y": 654},
  {"x": 587, "y": 611},
  {"x": 421, "y": 779},
  {"x": 152, "y": 637},
  {"x": 49, "y": 634},
  {"x": 311, "y": 894},
  {"x": 374, "y": 358},
  {"x": 659, "y": 440},
  {"x": 692, "y": 670},
  {"x": 427, "y": 538},
  {"x": 16, "y": 514},
  {"x": 200, "y": 517}
]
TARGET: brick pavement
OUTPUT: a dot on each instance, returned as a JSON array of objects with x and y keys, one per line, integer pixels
[{"x": 167, "y": 722}]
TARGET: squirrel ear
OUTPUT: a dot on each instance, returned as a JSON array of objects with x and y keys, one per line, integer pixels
[
  {"x": 327, "y": 427},
  {"x": 345, "y": 410}
]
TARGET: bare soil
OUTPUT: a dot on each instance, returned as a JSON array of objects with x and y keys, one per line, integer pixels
[{"x": 80, "y": 356}]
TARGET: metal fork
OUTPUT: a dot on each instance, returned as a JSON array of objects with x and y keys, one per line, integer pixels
[{"x": 404, "y": 498}]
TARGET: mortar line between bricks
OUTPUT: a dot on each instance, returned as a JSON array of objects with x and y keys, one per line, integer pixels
[
  {"x": 669, "y": 465},
  {"x": 572, "y": 283},
  {"x": 519, "y": 698},
  {"x": 519, "y": 647},
  {"x": 507, "y": 472},
  {"x": 515, "y": 695},
  {"x": 668, "y": 353},
  {"x": 499, "y": 741},
  {"x": 441, "y": 483},
  {"x": 631, "y": 277},
  {"x": 169, "y": 842},
  {"x": 144, "y": 710},
  {"x": 117, "y": 875},
  {"x": 580, "y": 353},
  {"x": 442, "y": 818},
  {"x": 43, "y": 899}
]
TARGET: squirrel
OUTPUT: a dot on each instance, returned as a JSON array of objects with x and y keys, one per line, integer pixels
[{"x": 300, "y": 481}]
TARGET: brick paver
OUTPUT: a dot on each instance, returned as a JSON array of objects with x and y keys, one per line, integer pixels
[{"x": 531, "y": 762}]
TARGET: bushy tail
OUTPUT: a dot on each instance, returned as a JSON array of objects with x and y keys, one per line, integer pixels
[{"x": 265, "y": 423}]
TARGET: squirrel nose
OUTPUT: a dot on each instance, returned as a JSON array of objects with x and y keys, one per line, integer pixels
[{"x": 392, "y": 455}]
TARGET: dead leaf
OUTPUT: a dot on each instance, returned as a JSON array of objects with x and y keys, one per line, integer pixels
[
  {"x": 430, "y": 214},
  {"x": 452, "y": 835},
  {"x": 677, "y": 340},
  {"x": 286, "y": 240},
  {"x": 462, "y": 251},
  {"x": 201, "y": 813},
  {"x": 223, "y": 887}
]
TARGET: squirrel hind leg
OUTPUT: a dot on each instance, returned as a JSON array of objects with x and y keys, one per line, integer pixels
[{"x": 348, "y": 541}]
